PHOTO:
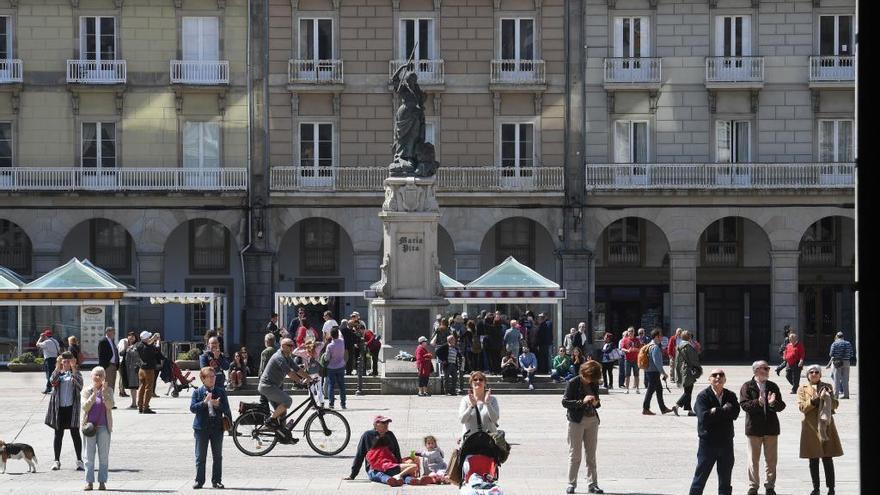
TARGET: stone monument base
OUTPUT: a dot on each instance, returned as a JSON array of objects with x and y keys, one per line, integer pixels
[{"x": 401, "y": 322}]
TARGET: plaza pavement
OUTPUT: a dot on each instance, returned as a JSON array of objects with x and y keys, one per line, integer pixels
[{"x": 636, "y": 454}]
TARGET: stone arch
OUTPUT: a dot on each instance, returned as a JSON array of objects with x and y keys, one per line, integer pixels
[
  {"x": 362, "y": 221},
  {"x": 655, "y": 254},
  {"x": 468, "y": 226},
  {"x": 756, "y": 243},
  {"x": 78, "y": 243},
  {"x": 842, "y": 252},
  {"x": 18, "y": 258},
  {"x": 446, "y": 251},
  {"x": 540, "y": 244}
]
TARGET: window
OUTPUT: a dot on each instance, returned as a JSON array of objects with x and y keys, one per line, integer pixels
[
  {"x": 5, "y": 145},
  {"x": 517, "y": 39},
  {"x": 733, "y": 141},
  {"x": 515, "y": 237},
  {"x": 720, "y": 246},
  {"x": 316, "y": 39},
  {"x": 316, "y": 145},
  {"x": 624, "y": 242},
  {"x": 98, "y": 144},
  {"x": 413, "y": 31},
  {"x": 630, "y": 141},
  {"x": 819, "y": 244},
  {"x": 6, "y": 38},
  {"x": 836, "y": 35},
  {"x": 201, "y": 145},
  {"x": 733, "y": 36},
  {"x": 631, "y": 37},
  {"x": 208, "y": 247},
  {"x": 430, "y": 129},
  {"x": 199, "y": 318},
  {"x": 836, "y": 141},
  {"x": 201, "y": 38},
  {"x": 517, "y": 148},
  {"x": 15, "y": 248},
  {"x": 97, "y": 38},
  {"x": 320, "y": 245},
  {"x": 110, "y": 246}
]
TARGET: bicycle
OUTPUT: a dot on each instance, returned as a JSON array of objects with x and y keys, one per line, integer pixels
[{"x": 326, "y": 430}]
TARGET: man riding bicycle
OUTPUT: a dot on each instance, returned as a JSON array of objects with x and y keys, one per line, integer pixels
[{"x": 280, "y": 365}]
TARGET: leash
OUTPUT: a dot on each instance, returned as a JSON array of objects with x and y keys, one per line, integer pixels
[{"x": 28, "y": 420}]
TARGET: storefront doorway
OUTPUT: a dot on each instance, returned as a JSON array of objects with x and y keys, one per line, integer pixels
[{"x": 734, "y": 322}]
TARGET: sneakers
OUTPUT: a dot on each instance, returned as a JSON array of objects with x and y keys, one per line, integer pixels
[
  {"x": 627, "y": 390},
  {"x": 570, "y": 489},
  {"x": 421, "y": 394},
  {"x": 637, "y": 390},
  {"x": 88, "y": 487},
  {"x": 594, "y": 488},
  {"x": 80, "y": 466},
  {"x": 56, "y": 465},
  {"x": 531, "y": 387}
]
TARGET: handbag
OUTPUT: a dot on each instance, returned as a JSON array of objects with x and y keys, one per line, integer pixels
[
  {"x": 454, "y": 472},
  {"x": 500, "y": 445},
  {"x": 837, "y": 362},
  {"x": 89, "y": 429},
  {"x": 227, "y": 423}
]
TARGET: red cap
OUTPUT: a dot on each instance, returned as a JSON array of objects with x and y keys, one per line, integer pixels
[{"x": 381, "y": 419}]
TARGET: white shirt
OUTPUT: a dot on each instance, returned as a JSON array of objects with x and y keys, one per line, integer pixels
[{"x": 328, "y": 325}]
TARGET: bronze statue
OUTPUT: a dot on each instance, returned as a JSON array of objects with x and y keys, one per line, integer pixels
[{"x": 413, "y": 157}]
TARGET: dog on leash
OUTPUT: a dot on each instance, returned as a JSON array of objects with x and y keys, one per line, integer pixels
[{"x": 17, "y": 451}]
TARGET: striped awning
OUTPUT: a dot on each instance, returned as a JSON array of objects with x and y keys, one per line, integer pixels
[
  {"x": 303, "y": 300},
  {"x": 173, "y": 299}
]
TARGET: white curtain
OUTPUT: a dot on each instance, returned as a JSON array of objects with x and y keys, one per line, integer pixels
[
  {"x": 722, "y": 141},
  {"x": 622, "y": 142}
]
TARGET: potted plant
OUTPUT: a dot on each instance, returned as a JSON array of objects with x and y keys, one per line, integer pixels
[
  {"x": 26, "y": 362},
  {"x": 189, "y": 360}
]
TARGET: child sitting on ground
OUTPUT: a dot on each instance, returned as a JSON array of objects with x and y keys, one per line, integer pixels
[{"x": 433, "y": 464}]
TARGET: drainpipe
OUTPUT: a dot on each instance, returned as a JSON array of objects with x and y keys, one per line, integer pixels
[{"x": 242, "y": 338}]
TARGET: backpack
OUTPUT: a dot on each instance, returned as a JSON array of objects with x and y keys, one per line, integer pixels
[{"x": 644, "y": 357}]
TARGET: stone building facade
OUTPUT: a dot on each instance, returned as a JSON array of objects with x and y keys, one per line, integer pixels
[{"x": 669, "y": 162}]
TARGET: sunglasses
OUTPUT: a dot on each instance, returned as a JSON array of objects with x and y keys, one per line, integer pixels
[
  {"x": 814, "y": 372},
  {"x": 477, "y": 380},
  {"x": 719, "y": 375},
  {"x": 764, "y": 368}
]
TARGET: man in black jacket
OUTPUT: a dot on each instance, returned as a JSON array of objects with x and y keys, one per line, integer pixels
[
  {"x": 368, "y": 438},
  {"x": 760, "y": 399},
  {"x": 449, "y": 356},
  {"x": 108, "y": 357},
  {"x": 150, "y": 355},
  {"x": 717, "y": 409}
]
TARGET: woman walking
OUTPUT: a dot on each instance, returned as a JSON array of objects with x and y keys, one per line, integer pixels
[
  {"x": 686, "y": 363},
  {"x": 819, "y": 437},
  {"x": 581, "y": 399},
  {"x": 63, "y": 413},
  {"x": 131, "y": 364},
  {"x": 610, "y": 355},
  {"x": 210, "y": 405},
  {"x": 97, "y": 424}
]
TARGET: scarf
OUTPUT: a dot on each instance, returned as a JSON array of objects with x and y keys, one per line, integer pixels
[{"x": 826, "y": 409}]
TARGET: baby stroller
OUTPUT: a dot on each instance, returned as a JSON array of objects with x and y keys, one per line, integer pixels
[
  {"x": 478, "y": 463},
  {"x": 176, "y": 380}
]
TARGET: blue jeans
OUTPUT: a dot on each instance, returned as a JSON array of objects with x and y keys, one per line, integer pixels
[
  {"x": 48, "y": 368},
  {"x": 100, "y": 442},
  {"x": 707, "y": 457},
  {"x": 336, "y": 377},
  {"x": 215, "y": 438},
  {"x": 382, "y": 477}
]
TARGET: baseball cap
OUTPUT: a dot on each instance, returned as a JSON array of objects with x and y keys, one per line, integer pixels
[
  {"x": 464, "y": 315},
  {"x": 423, "y": 339},
  {"x": 355, "y": 313},
  {"x": 145, "y": 335},
  {"x": 381, "y": 419}
]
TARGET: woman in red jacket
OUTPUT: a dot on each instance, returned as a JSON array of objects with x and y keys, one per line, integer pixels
[{"x": 423, "y": 364}]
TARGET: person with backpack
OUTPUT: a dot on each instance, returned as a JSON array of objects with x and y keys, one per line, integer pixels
[
  {"x": 687, "y": 366},
  {"x": 630, "y": 346},
  {"x": 651, "y": 360}
]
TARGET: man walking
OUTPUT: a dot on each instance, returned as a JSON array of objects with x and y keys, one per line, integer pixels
[
  {"x": 51, "y": 349},
  {"x": 761, "y": 399},
  {"x": 108, "y": 357},
  {"x": 670, "y": 353},
  {"x": 794, "y": 360},
  {"x": 841, "y": 354},
  {"x": 653, "y": 373},
  {"x": 630, "y": 346},
  {"x": 717, "y": 409}
]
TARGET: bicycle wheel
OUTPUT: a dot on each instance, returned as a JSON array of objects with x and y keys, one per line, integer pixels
[
  {"x": 250, "y": 436},
  {"x": 327, "y": 432}
]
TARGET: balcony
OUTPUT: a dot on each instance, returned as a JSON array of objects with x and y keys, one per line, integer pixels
[
  {"x": 200, "y": 72},
  {"x": 818, "y": 253},
  {"x": 527, "y": 75},
  {"x": 624, "y": 254},
  {"x": 10, "y": 71},
  {"x": 720, "y": 253},
  {"x": 430, "y": 72},
  {"x": 122, "y": 179},
  {"x": 745, "y": 176},
  {"x": 96, "y": 72},
  {"x": 832, "y": 72},
  {"x": 449, "y": 179},
  {"x": 315, "y": 75},
  {"x": 632, "y": 73},
  {"x": 734, "y": 72}
]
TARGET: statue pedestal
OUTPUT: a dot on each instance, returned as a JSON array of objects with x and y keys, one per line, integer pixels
[{"x": 409, "y": 291}]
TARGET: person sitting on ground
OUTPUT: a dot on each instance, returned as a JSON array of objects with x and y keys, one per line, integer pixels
[
  {"x": 510, "y": 368},
  {"x": 383, "y": 461},
  {"x": 561, "y": 368},
  {"x": 528, "y": 364},
  {"x": 367, "y": 442},
  {"x": 432, "y": 463},
  {"x": 237, "y": 372}
]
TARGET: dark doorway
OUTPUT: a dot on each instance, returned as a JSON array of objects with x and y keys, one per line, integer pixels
[
  {"x": 825, "y": 310},
  {"x": 315, "y": 312},
  {"x": 734, "y": 322},
  {"x": 618, "y": 308}
]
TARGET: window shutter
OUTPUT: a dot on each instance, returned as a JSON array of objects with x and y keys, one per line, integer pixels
[
  {"x": 622, "y": 142},
  {"x": 722, "y": 141},
  {"x": 191, "y": 138},
  {"x": 210, "y": 145},
  {"x": 845, "y": 141},
  {"x": 640, "y": 144},
  {"x": 746, "y": 36},
  {"x": 210, "y": 27},
  {"x": 618, "y": 37},
  {"x": 719, "y": 36},
  {"x": 190, "y": 30},
  {"x": 645, "y": 41}
]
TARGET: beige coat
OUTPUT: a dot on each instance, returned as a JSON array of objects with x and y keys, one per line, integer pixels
[
  {"x": 811, "y": 446},
  {"x": 88, "y": 400}
]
